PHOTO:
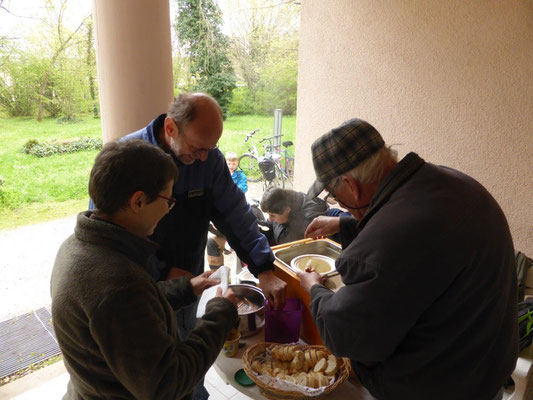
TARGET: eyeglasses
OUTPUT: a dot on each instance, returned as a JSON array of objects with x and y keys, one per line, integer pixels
[
  {"x": 330, "y": 189},
  {"x": 198, "y": 152},
  {"x": 170, "y": 200},
  {"x": 331, "y": 194}
]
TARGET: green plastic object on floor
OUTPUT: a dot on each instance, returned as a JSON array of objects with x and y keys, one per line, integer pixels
[{"x": 242, "y": 379}]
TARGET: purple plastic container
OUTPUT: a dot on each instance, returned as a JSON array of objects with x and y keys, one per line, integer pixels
[{"x": 283, "y": 326}]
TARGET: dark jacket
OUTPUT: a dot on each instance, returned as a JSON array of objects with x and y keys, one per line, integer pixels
[
  {"x": 116, "y": 326},
  {"x": 205, "y": 192},
  {"x": 303, "y": 211},
  {"x": 429, "y": 307}
]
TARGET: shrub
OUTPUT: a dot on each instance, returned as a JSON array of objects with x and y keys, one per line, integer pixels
[
  {"x": 242, "y": 103},
  {"x": 35, "y": 148},
  {"x": 8, "y": 199}
]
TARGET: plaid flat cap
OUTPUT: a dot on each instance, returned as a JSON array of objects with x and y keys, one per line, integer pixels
[{"x": 341, "y": 150}]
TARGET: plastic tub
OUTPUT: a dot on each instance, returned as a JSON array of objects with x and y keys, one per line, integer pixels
[{"x": 283, "y": 326}]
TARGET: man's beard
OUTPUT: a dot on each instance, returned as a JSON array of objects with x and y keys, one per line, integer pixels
[{"x": 185, "y": 159}]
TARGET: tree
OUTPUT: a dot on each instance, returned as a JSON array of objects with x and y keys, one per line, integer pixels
[
  {"x": 50, "y": 70},
  {"x": 279, "y": 80},
  {"x": 20, "y": 72},
  {"x": 20, "y": 77},
  {"x": 264, "y": 48},
  {"x": 91, "y": 68},
  {"x": 198, "y": 26},
  {"x": 61, "y": 41}
]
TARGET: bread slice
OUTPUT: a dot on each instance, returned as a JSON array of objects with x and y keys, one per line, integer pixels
[
  {"x": 321, "y": 365},
  {"x": 332, "y": 367},
  {"x": 302, "y": 379},
  {"x": 322, "y": 380}
]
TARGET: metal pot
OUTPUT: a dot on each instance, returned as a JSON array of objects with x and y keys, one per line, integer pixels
[{"x": 250, "y": 322}]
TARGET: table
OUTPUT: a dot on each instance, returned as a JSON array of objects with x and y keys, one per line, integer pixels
[{"x": 226, "y": 368}]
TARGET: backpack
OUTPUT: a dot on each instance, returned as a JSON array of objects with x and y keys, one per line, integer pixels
[
  {"x": 268, "y": 168},
  {"x": 523, "y": 263},
  {"x": 525, "y": 323}
]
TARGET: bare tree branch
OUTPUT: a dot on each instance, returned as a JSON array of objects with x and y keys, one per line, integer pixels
[
  {"x": 295, "y": 2},
  {"x": 2, "y": 7}
]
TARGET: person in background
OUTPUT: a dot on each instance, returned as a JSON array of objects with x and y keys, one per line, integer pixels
[
  {"x": 216, "y": 244},
  {"x": 290, "y": 213},
  {"x": 237, "y": 174},
  {"x": 429, "y": 309},
  {"x": 115, "y": 325},
  {"x": 205, "y": 192}
]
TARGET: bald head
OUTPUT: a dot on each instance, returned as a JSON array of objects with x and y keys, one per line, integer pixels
[
  {"x": 193, "y": 126},
  {"x": 207, "y": 118}
]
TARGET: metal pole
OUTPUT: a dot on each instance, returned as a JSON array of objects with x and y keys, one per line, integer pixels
[{"x": 277, "y": 127}]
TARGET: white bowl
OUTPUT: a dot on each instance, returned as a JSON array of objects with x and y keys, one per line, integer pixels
[{"x": 321, "y": 264}]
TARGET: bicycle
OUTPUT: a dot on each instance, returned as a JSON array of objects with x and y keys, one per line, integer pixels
[
  {"x": 288, "y": 160},
  {"x": 268, "y": 167},
  {"x": 248, "y": 162},
  {"x": 284, "y": 164}
]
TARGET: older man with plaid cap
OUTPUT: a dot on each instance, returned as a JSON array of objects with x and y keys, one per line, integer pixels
[{"x": 428, "y": 310}]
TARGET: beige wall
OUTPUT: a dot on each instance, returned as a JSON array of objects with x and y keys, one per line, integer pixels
[
  {"x": 134, "y": 61},
  {"x": 451, "y": 80}
]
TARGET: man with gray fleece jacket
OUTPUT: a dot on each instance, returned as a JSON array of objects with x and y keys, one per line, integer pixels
[{"x": 115, "y": 325}]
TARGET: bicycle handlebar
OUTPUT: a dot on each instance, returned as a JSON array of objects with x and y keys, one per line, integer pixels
[
  {"x": 270, "y": 138},
  {"x": 248, "y": 136}
]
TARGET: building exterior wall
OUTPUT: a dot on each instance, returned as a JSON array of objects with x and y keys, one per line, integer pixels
[
  {"x": 134, "y": 62},
  {"x": 451, "y": 80}
]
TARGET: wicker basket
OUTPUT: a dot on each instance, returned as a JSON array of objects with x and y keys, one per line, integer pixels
[{"x": 276, "y": 393}]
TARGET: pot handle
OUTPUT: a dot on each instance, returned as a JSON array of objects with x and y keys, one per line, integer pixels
[{"x": 251, "y": 322}]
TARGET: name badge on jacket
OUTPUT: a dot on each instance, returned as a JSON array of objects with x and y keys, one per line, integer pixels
[{"x": 195, "y": 193}]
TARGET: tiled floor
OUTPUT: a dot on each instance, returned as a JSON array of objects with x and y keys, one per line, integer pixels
[
  {"x": 55, "y": 388},
  {"x": 218, "y": 389}
]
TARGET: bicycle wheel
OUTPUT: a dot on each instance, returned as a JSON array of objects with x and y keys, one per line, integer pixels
[
  {"x": 289, "y": 166},
  {"x": 250, "y": 166},
  {"x": 288, "y": 182},
  {"x": 280, "y": 176}
]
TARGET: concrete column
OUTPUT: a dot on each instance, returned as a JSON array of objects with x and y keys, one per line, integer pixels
[{"x": 134, "y": 61}]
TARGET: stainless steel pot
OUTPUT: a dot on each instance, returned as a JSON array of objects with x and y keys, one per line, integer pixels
[{"x": 252, "y": 321}]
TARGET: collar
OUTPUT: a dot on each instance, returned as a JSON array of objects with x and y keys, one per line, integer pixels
[
  {"x": 156, "y": 125},
  {"x": 396, "y": 178},
  {"x": 101, "y": 232}
]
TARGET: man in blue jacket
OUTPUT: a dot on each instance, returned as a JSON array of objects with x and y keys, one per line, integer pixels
[
  {"x": 429, "y": 309},
  {"x": 204, "y": 192}
]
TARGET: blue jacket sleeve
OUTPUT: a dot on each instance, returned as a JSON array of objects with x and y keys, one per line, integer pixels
[
  {"x": 240, "y": 180},
  {"x": 235, "y": 219}
]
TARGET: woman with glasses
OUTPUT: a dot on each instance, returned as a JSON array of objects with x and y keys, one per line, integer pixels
[{"x": 114, "y": 324}]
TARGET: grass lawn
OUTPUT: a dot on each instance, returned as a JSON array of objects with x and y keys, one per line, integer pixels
[{"x": 40, "y": 189}]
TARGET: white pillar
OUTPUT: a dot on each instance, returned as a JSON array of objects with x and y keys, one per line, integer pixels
[{"x": 134, "y": 61}]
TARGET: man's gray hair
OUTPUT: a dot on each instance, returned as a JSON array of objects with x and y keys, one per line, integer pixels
[
  {"x": 370, "y": 170},
  {"x": 183, "y": 111}
]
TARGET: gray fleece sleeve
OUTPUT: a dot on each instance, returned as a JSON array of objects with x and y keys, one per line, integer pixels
[
  {"x": 178, "y": 291},
  {"x": 132, "y": 328}
]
